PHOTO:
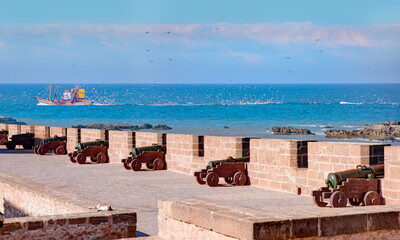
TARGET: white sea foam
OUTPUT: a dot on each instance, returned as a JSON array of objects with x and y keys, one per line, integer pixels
[{"x": 350, "y": 103}]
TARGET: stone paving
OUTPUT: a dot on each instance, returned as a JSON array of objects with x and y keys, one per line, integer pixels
[{"x": 138, "y": 191}]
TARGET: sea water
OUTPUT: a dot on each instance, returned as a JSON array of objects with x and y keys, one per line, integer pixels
[{"x": 243, "y": 109}]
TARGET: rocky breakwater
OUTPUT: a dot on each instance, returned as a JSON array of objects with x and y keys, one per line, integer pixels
[
  {"x": 291, "y": 131},
  {"x": 8, "y": 120},
  {"x": 380, "y": 131}
]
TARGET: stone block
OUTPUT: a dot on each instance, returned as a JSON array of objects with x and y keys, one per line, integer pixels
[
  {"x": 383, "y": 221},
  {"x": 302, "y": 228},
  {"x": 272, "y": 230},
  {"x": 348, "y": 224}
]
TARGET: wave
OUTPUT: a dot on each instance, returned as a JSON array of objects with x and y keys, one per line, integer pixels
[{"x": 350, "y": 103}]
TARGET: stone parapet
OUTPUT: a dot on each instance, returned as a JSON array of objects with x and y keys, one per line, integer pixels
[
  {"x": 13, "y": 129},
  {"x": 143, "y": 139},
  {"x": 42, "y": 131},
  {"x": 391, "y": 182},
  {"x": 3, "y": 126},
  {"x": 199, "y": 219},
  {"x": 27, "y": 129},
  {"x": 89, "y": 135},
  {"x": 120, "y": 145},
  {"x": 216, "y": 148},
  {"x": 183, "y": 153},
  {"x": 73, "y": 138},
  {"x": 59, "y": 131}
]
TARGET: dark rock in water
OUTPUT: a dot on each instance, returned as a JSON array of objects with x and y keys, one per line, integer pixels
[
  {"x": 161, "y": 127},
  {"x": 146, "y": 126},
  {"x": 380, "y": 131},
  {"x": 8, "y": 120},
  {"x": 226, "y": 127},
  {"x": 291, "y": 131},
  {"x": 329, "y": 126},
  {"x": 108, "y": 126}
]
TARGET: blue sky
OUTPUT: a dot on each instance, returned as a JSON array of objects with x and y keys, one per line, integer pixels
[{"x": 200, "y": 42}]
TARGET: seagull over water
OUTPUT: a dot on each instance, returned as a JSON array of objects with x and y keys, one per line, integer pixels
[
  {"x": 168, "y": 32},
  {"x": 147, "y": 50},
  {"x": 317, "y": 39},
  {"x": 287, "y": 57}
]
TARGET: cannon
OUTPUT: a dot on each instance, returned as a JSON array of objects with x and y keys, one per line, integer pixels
[
  {"x": 56, "y": 144},
  {"x": 3, "y": 137},
  {"x": 96, "y": 150},
  {"x": 153, "y": 156},
  {"x": 27, "y": 140},
  {"x": 360, "y": 186},
  {"x": 232, "y": 169}
]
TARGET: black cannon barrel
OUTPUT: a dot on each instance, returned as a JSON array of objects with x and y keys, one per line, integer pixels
[
  {"x": 361, "y": 171},
  {"x": 137, "y": 151},
  {"x": 2, "y": 131},
  {"x": 81, "y": 146},
  {"x": 213, "y": 164},
  {"x": 56, "y": 138},
  {"x": 23, "y": 135}
]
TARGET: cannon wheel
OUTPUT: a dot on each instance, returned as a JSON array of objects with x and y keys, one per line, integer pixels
[
  {"x": 239, "y": 178},
  {"x": 149, "y": 165},
  {"x": 212, "y": 179},
  {"x": 71, "y": 157},
  {"x": 158, "y": 164},
  {"x": 338, "y": 199},
  {"x": 101, "y": 157},
  {"x": 372, "y": 198},
  {"x": 229, "y": 180},
  {"x": 200, "y": 180},
  {"x": 42, "y": 150},
  {"x": 27, "y": 145},
  {"x": 10, "y": 146},
  {"x": 126, "y": 164},
  {"x": 3, "y": 141},
  {"x": 81, "y": 158},
  {"x": 355, "y": 201},
  {"x": 136, "y": 165},
  {"x": 60, "y": 150},
  {"x": 319, "y": 201},
  {"x": 35, "y": 150}
]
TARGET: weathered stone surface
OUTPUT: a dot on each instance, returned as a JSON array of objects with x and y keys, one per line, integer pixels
[
  {"x": 380, "y": 131},
  {"x": 291, "y": 131}
]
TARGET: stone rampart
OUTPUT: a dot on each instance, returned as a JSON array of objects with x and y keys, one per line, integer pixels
[
  {"x": 13, "y": 129},
  {"x": 27, "y": 129},
  {"x": 143, "y": 139},
  {"x": 3, "y": 126},
  {"x": 89, "y": 135},
  {"x": 42, "y": 131},
  {"x": 120, "y": 145},
  {"x": 73, "y": 138},
  {"x": 59, "y": 131},
  {"x": 199, "y": 219},
  {"x": 391, "y": 182}
]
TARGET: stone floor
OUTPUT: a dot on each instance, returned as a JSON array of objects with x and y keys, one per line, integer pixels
[{"x": 138, "y": 191}]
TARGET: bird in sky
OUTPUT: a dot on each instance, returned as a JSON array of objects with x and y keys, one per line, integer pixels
[
  {"x": 287, "y": 57},
  {"x": 170, "y": 59},
  {"x": 147, "y": 50},
  {"x": 317, "y": 39},
  {"x": 150, "y": 61},
  {"x": 321, "y": 51},
  {"x": 147, "y": 32},
  {"x": 168, "y": 32}
]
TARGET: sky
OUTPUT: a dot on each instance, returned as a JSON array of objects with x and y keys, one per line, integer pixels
[{"x": 205, "y": 41}]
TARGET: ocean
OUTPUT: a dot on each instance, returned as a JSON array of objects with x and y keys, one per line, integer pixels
[{"x": 249, "y": 110}]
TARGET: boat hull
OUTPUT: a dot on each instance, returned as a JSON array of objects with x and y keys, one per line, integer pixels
[{"x": 43, "y": 101}]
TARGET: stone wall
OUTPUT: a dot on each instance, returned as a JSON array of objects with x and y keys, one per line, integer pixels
[
  {"x": 216, "y": 148},
  {"x": 73, "y": 138},
  {"x": 59, "y": 131},
  {"x": 90, "y": 135},
  {"x": 3, "y": 126},
  {"x": 13, "y": 129},
  {"x": 27, "y": 129},
  {"x": 120, "y": 145},
  {"x": 43, "y": 205},
  {"x": 391, "y": 182},
  {"x": 42, "y": 131},
  {"x": 183, "y": 153},
  {"x": 143, "y": 139},
  {"x": 199, "y": 219},
  {"x": 94, "y": 225}
]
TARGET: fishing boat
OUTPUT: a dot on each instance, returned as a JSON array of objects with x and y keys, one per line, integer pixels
[{"x": 76, "y": 96}]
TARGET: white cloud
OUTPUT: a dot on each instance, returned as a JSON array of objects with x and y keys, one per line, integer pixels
[{"x": 246, "y": 56}]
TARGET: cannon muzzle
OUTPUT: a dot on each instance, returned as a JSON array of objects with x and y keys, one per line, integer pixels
[
  {"x": 361, "y": 171},
  {"x": 23, "y": 135},
  {"x": 55, "y": 138},
  {"x": 2, "y": 131},
  {"x": 81, "y": 146},
  {"x": 136, "y": 151}
]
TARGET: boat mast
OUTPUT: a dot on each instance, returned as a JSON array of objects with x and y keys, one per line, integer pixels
[{"x": 50, "y": 92}]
